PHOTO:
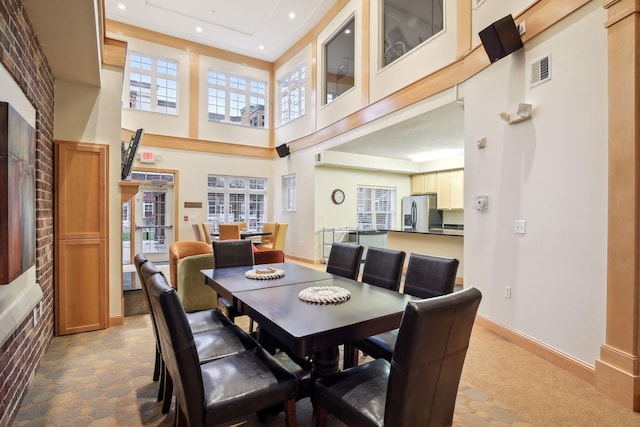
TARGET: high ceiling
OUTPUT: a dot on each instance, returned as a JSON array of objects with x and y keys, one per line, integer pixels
[
  {"x": 240, "y": 26},
  {"x": 73, "y": 51}
]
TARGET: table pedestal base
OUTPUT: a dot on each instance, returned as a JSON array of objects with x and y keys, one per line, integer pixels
[{"x": 325, "y": 363}]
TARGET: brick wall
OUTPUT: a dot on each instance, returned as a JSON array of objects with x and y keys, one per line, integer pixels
[{"x": 22, "y": 56}]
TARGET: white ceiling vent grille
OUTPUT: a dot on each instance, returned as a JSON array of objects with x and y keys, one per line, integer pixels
[{"x": 540, "y": 70}]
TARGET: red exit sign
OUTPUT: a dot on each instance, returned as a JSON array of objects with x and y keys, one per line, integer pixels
[{"x": 147, "y": 157}]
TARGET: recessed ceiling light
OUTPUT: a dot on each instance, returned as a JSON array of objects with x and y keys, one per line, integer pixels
[
  {"x": 121, "y": 6},
  {"x": 292, "y": 15},
  {"x": 347, "y": 31},
  {"x": 199, "y": 29},
  {"x": 261, "y": 47}
]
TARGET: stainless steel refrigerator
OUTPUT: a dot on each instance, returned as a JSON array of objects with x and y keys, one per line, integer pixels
[{"x": 419, "y": 213}]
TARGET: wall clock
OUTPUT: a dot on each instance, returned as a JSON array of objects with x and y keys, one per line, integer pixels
[{"x": 337, "y": 196}]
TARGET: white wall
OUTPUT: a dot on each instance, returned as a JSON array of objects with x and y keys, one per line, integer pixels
[
  {"x": 300, "y": 238},
  {"x": 89, "y": 114},
  {"x": 348, "y": 180},
  {"x": 552, "y": 172},
  {"x": 193, "y": 169}
]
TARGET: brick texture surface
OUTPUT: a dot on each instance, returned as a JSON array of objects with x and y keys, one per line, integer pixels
[{"x": 23, "y": 57}]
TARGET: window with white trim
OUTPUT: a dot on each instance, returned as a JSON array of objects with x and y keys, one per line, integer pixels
[
  {"x": 236, "y": 99},
  {"x": 236, "y": 199},
  {"x": 293, "y": 95},
  {"x": 289, "y": 192},
  {"x": 153, "y": 84},
  {"x": 375, "y": 207}
]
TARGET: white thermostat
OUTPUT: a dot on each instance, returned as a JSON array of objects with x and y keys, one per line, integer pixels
[{"x": 481, "y": 203}]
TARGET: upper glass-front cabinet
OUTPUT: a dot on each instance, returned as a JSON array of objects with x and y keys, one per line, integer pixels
[
  {"x": 407, "y": 24},
  {"x": 339, "y": 53}
]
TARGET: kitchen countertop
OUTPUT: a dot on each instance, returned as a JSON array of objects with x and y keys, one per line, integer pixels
[
  {"x": 438, "y": 231},
  {"x": 367, "y": 231}
]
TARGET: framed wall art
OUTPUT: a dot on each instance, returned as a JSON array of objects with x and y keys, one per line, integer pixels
[{"x": 17, "y": 194}]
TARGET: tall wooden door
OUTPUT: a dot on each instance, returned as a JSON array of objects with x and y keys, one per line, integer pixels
[{"x": 81, "y": 230}]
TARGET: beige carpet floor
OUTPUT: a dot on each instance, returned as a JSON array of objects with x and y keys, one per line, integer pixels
[{"x": 103, "y": 378}]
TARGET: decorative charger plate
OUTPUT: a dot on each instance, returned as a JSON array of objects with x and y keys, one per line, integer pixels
[
  {"x": 264, "y": 273},
  {"x": 325, "y": 294}
]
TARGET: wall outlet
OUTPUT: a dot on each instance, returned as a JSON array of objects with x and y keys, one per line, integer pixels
[
  {"x": 520, "y": 226},
  {"x": 507, "y": 292}
]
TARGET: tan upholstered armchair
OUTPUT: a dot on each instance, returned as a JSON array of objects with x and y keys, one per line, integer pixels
[{"x": 186, "y": 259}]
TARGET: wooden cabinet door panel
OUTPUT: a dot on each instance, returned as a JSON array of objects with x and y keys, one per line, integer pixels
[
  {"x": 81, "y": 285},
  {"x": 80, "y": 190},
  {"x": 431, "y": 182},
  {"x": 81, "y": 229},
  {"x": 444, "y": 190},
  {"x": 417, "y": 184},
  {"x": 456, "y": 183}
]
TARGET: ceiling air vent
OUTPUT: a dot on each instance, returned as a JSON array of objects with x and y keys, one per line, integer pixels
[{"x": 540, "y": 70}]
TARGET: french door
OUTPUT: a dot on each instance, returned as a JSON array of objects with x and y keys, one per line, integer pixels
[{"x": 152, "y": 229}]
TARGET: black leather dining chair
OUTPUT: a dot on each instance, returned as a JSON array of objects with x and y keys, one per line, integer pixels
[
  {"x": 212, "y": 338},
  {"x": 383, "y": 268},
  {"x": 419, "y": 386},
  {"x": 211, "y": 393},
  {"x": 344, "y": 260},
  {"x": 231, "y": 253},
  {"x": 427, "y": 276}
]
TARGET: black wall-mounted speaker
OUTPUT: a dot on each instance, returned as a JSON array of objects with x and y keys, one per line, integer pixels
[
  {"x": 283, "y": 150},
  {"x": 501, "y": 38}
]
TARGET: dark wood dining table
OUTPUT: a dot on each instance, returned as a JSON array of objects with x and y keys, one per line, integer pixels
[
  {"x": 229, "y": 281},
  {"x": 308, "y": 329}
]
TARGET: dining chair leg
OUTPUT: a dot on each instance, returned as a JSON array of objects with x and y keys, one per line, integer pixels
[
  {"x": 163, "y": 372},
  {"x": 157, "y": 366},
  {"x": 180, "y": 418},
  {"x": 168, "y": 393},
  {"x": 321, "y": 416},
  {"x": 350, "y": 356},
  {"x": 290, "y": 413}
]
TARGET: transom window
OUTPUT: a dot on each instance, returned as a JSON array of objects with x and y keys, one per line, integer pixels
[
  {"x": 407, "y": 24},
  {"x": 236, "y": 199},
  {"x": 289, "y": 192},
  {"x": 376, "y": 207},
  {"x": 153, "y": 84},
  {"x": 293, "y": 95},
  {"x": 236, "y": 99}
]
